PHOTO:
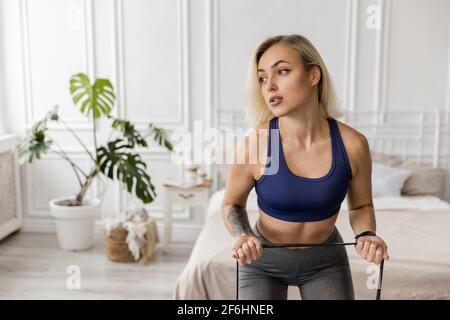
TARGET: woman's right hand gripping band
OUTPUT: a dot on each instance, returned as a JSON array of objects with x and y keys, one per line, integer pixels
[{"x": 247, "y": 249}]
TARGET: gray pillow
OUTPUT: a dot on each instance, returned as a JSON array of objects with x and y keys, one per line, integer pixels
[{"x": 424, "y": 179}]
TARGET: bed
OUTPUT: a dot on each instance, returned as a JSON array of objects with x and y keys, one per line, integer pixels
[{"x": 414, "y": 223}]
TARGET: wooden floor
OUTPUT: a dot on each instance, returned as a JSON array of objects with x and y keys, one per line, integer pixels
[{"x": 33, "y": 267}]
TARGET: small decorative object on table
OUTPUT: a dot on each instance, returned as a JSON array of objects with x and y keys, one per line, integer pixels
[
  {"x": 191, "y": 173},
  {"x": 132, "y": 237},
  {"x": 201, "y": 176}
]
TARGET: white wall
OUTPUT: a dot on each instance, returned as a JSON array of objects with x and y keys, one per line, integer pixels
[
  {"x": 2, "y": 105},
  {"x": 174, "y": 62}
]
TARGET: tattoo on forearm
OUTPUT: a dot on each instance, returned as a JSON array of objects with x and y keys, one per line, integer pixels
[{"x": 238, "y": 219}]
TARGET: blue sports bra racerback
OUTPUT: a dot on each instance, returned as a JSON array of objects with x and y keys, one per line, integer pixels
[{"x": 286, "y": 196}]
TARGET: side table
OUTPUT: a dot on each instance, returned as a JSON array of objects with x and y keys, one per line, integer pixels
[{"x": 187, "y": 197}]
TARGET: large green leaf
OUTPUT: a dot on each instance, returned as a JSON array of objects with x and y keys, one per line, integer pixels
[
  {"x": 117, "y": 162},
  {"x": 160, "y": 136},
  {"x": 33, "y": 147},
  {"x": 36, "y": 143},
  {"x": 97, "y": 99},
  {"x": 130, "y": 133}
]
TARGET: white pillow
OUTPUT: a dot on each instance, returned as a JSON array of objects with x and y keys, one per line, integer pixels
[{"x": 388, "y": 181}]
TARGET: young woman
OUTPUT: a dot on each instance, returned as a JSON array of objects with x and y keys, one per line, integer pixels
[{"x": 307, "y": 162}]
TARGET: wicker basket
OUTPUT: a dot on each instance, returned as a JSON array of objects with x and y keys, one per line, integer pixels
[{"x": 117, "y": 246}]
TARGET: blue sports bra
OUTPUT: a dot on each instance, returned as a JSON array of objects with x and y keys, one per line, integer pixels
[{"x": 286, "y": 196}]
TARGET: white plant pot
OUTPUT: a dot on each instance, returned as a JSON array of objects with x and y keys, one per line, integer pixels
[{"x": 75, "y": 225}]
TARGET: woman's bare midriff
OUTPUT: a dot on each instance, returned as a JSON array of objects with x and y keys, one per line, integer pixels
[{"x": 279, "y": 231}]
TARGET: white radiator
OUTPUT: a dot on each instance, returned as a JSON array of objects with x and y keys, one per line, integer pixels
[{"x": 11, "y": 216}]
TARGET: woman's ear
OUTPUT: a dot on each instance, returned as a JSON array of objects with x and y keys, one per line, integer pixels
[{"x": 315, "y": 75}]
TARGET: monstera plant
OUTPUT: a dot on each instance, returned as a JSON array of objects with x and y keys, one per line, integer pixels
[{"x": 115, "y": 158}]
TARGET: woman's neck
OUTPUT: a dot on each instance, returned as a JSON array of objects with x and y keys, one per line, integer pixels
[{"x": 304, "y": 128}]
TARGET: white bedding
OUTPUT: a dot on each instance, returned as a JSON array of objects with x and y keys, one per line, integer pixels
[{"x": 416, "y": 229}]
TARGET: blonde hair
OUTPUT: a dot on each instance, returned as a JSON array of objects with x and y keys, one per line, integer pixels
[{"x": 257, "y": 110}]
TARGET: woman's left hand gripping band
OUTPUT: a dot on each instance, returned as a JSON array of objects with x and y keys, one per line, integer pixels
[{"x": 372, "y": 248}]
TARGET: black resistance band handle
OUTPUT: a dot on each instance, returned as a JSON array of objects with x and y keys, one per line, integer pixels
[{"x": 293, "y": 245}]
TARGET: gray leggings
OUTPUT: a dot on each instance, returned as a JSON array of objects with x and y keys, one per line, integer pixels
[{"x": 318, "y": 272}]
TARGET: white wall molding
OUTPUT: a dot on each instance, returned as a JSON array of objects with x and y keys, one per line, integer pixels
[
  {"x": 88, "y": 32},
  {"x": 89, "y": 37},
  {"x": 211, "y": 71},
  {"x": 447, "y": 94},
  {"x": 182, "y": 118},
  {"x": 118, "y": 64},
  {"x": 385, "y": 55},
  {"x": 25, "y": 37},
  {"x": 351, "y": 45},
  {"x": 382, "y": 58}
]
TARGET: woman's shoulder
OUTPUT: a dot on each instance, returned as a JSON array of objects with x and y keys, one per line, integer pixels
[{"x": 356, "y": 145}]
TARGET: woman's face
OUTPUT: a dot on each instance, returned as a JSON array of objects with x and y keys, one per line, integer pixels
[{"x": 281, "y": 74}]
